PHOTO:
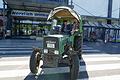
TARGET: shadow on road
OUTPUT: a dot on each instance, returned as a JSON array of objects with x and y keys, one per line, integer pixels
[
  {"x": 83, "y": 74},
  {"x": 60, "y": 76}
]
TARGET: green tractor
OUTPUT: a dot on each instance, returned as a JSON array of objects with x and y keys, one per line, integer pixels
[{"x": 60, "y": 48}]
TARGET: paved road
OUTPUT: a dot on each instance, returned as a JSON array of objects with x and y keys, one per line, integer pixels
[
  {"x": 95, "y": 65},
  {"x": 18, "y": 47},
  {"x": 109, "y": 48}
]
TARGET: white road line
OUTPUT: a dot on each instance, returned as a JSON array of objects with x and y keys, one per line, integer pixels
[
  {"x": 100, "y": 59},
  {"x": 111, "y": 77},
  {"x": 82, "y": 68},
  {"x": 8, "y": 63},
  {"x": 88, "y": 55},
  {"x": 14, "y": 73},
  {"x": 13, "y": 48},
  {"x": 31, "y": 51},
  {"x": 3, "y": 52},
  {"x": 87, "y": 48},
  {"x": 91, "y": 50},
  {"x": 14, "y": 57},
  {"x": 100, "y": 67},
  {"x": 27, "y": 61},
  {"x": 101, "y": 55},
  {"x": 85, "y": 45},
  {"x": 25, "y": 72}
]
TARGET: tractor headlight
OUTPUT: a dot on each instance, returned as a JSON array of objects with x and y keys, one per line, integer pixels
[
  {"x": 56, "y": 52},
  {"x": 45, "y": 50}
]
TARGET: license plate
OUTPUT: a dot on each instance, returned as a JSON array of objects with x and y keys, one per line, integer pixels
[{"x": 50, "y": 45}]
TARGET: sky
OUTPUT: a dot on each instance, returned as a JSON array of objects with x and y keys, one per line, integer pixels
[
  {"x": 97, "y": 7},
  {"x": 1, "y": 2},
  {"x": 93, "y": 7}
]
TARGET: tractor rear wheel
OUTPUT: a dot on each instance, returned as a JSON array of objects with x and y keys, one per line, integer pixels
[
  {"x": 80, "y": 54},
  {"x": 34, "y": 62},
  {"x": 78, "y": 46},
  {"x": 74, "y": 67}
]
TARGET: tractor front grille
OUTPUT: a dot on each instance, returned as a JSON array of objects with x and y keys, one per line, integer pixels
[
  {"x": 50, "y": 60},
  {"x": 51, "y": 44}
]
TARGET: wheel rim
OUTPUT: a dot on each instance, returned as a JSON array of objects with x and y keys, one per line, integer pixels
[{"x": 37, "y": 60}]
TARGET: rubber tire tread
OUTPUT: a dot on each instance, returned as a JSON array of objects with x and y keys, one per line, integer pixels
[
  {"x": 33, "y": 62},
  {"x": 76, "y": 46},
  {"x": 75, "y": 67}
]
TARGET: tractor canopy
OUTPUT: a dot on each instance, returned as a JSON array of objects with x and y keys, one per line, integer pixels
[{"x": 64, "y": 12}]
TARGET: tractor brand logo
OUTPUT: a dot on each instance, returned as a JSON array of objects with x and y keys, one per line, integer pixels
[{"x": 51, "y": 42}]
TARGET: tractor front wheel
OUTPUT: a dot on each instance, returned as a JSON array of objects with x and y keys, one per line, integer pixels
[
  {"x": 34, "y": 62},
  {"x": 74, "y": 67}
]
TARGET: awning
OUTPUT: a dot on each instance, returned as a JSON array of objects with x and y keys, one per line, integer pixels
[
  {"x": 101, "y": 25},
  {"x": 63, "y": 12},
  {"x": 33, "y": 5}
]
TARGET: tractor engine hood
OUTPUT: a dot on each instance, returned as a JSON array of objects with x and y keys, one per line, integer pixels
[{"x": 53, "y": 43}]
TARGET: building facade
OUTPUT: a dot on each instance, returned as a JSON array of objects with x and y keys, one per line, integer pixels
[{"x": 26, "y": 17}]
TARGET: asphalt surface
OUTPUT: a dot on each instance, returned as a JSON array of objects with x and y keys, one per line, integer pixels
[
  {"x": 109, "y": 48},
  {"x": 98, "y": 63},
  {"x": 18, "y": 47}
]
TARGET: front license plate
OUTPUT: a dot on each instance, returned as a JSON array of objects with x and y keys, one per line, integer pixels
[{"x": 50, "y": 45}]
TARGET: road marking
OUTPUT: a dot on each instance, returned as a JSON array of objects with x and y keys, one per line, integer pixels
[
  {"x": 25, "y": 72},
  {"x": 87, "y": 48},
  {"x": 99, "y": 59},
  {"x": 91, "y": 55},
  {"x": 13, "y": 48},
  {"x": 4, "y": 52},
  {"x": 115, "y": 46},
  {"x": 14, "y": 57},
  {"x": 100, "y": 67},
  {"x": 14, "y": 73},
  {"x": 8, "y": 63},
  {"x": 111, "y": 77},
  {"x": 91, "y": 50},
  {"x": 66, "y": 69},
  {"x": 22, "y": 58},
  {"x": 85, "y": 45}
]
